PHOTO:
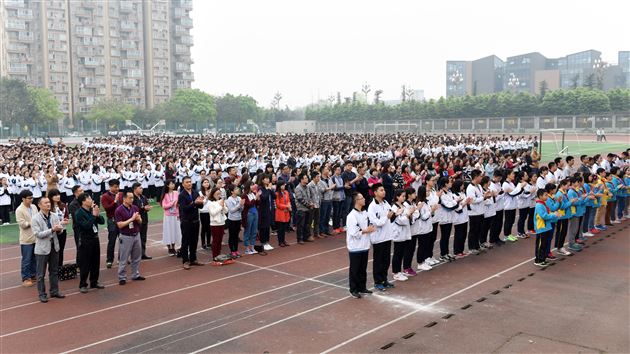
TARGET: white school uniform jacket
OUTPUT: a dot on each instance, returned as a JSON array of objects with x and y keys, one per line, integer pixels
[
  {"x": 476, "y": 193},
  {"x": 68, "y": 183},
  {"x": 490, "y": 207},
  {"x": 509, "y": 198},
  {"x": 421, "y": 222},
  {"x": 96, "y": 182},
  {"x": 432, "y": 199},
  {"x": 524, "y": 200},
  {"x": 559, "y": 175},
  {"x": 377, "y": 214},
  {"x": 5, "y": 198},
  {"x": 460, "y": 216},
  {"x": 356, "y": 241},
  {"x": 448, "y": 206},
  {"x": 158, "y": 178},
  {"x": 401, "y": 227},
  {"x": 541, "y": 182},
  {"x": 85, "y": 178},
  {"x": 498, "y": 200}
]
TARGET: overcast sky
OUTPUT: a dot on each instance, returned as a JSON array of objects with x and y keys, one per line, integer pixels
[{"x": 311, "y": 49}]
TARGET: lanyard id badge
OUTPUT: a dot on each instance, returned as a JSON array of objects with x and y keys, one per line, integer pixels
[{"x": 94, "y": 228}]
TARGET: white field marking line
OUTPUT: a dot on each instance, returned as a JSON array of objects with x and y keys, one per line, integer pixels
[
  {"x": 101, "y": 256},
  {"x": 107, "y": 285},
  {"x": 101, "y": 243},
  {"x": 152, "y": 297},
  {"x": 154, "y": 224},
  {"x": 237, "y": 315},
  {"x": 297, "y": 276},
  {"x": 190, "y": 314},
  {"x": 347, "y": 297},
  {"x": 424, "y": 307}
]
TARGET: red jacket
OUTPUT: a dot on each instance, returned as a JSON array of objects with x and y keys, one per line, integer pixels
[{"x": 283, "y": 202}]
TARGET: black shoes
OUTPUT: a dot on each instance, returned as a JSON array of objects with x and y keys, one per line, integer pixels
[
  {"x": 58, "y": 296},
  {"x": 144, "y": 256},
  {"x": 355, "y": 294},
  {"x": 122, "y": 282},
  {"x": 365, "y": 291},
  {"x": 43, "y": 298},
  {"x": 140, "y": 277},
  {"x": 97, "y": 286}
]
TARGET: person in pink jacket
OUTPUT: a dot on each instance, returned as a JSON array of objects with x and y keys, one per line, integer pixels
[{"x": 171, "y": 233}]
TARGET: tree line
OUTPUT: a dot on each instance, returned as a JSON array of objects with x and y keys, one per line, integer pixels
[{"x": 577, "y": 101}]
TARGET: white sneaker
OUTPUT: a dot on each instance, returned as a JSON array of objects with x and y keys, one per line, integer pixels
[
  {"x": 616, "y": 222},
  {"x": 433, "y": 261},
  {"x": 425, "y": 266},
  {"x": 563, "y": 251},
  {"x": 588, "y": 234},
  {"x": 267, "y": 247},
  {"x": 400, "y": 277}
]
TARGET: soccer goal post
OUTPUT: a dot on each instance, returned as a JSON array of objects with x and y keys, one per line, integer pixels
[{"x": 557, "y": 138}]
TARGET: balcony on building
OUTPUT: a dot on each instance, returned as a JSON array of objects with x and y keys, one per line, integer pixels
[
  {"x": 188, "y": 40},
  {"x": 18, "y": 68},
  {"x": 181, "y": 49},
  {"x": 127, "y": 26},
  {"x": 15, "y": 24},
  {"x": 13, "y": 3},
  {"x": 182, "y": 84},
  {"x": 129, "y": 64},
  {"x": 81, "y": 12},
  {"x": 88, "y": 3},
  {"x": 179, "y": 66},
  {"x": 83, "y": 31},
  {"x": 26, "y": 14},
  {"x": 188, "y": 76},
  {"x": 186, "y": 4},
  {"x": 129, "y": 83},
  {"x": 26, "y": 36},
  {"x": 16, "y": 47},
  {"x": 179, "y": 12},
  {"x": 126, "y": 6},
  {"x": 92, "y": 82},
  {"x": 133, "y": 53},
  {"x": 180, "y": 30},
  {"x": 186, "y": 22},
  {"x": 127, "y": 44},
  {"x": 89, "y": 61}
]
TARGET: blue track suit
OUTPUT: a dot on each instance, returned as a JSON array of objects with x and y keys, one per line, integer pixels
[{"x": 543, "y": 219}]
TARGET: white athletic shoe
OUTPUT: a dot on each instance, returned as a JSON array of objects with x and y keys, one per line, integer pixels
[
  {"x": 563, "y": 251},
  {"x": 267, "y": 247},
  {"x": 433, "y": 261},
  {"x": 400, "y": 277},
  {"x": 588, "y": 234},
  {"x": 424, "y": 266},
  {"x": 616, "y": 222}
]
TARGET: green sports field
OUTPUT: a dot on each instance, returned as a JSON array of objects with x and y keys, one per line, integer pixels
[{"x": 550, "y": 149}]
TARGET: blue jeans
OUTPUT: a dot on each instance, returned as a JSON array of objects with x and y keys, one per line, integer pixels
[
  {"x": 591, "y": 218},
  {"x": 29, "y": 263},
  {"x": 621, "y": 206},
  {"x": 587, "y": 215},
  {"x": 325, "y": 209},
  {"x": 249, "y": 235},
  {"x": 337, "y": 205}
]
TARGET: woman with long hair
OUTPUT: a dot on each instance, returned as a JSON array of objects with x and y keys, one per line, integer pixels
[
  {"x": 251, "y": 197},
  {"x": 218, "y": 214},
  {"x": 235, "y": 209},
  {"x": 171, "y": 231},
  {"x": 204, "y": 213},
  {"x": 265, "y": 210},
  {"x": 283, "y": 212},
  {"x": 61, "y": 210},
  {"x": 444, "y": 215}
]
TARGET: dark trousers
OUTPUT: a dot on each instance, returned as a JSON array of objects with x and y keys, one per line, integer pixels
[
  {"x": 301, "y": 219},
  {"x": 50, "y": 261},
  {"x": 357, "y": 277},
  {"x": 143, "y": 237},
  {"x": 96, "y": 196},
  {"x": 611, "y": 207},
  {"x": 313, "y": 222},
  {"x": 587, "y": 213},
  {"x": 190, "y": 238},
  {"x": 234, "y": 228},
  {"x": 77, "y": 243},
  {"x": 4, "y": 214},
  {"x": 400, "y": 248},
  {"x": 460, "y": 238},
  {"x": 541, "y": 241},
  {"x": 410, "y": 251},
  {"x": 62, "y": 246},
  {"x": 112, "y": 237},
  {"x": 562, "y": 226},
  {"x": 530, "y": 219},
  {"x": 90, "y": 257},
  {"x": 425, "y": 247},
  {"x": 217, "y": 232},
  {"x": 509, "y": 217},
  {"x": 550, "y": 238},
  {"x": 347, "y": 207},
  {"x": 433, "y": 236},
  {"x": 475, "y": 222},
  {"x": 325, "y": 210},
  {"x": 263, "y": 233},
  {"x": 495, "y": 230},
  {"x": 336, "y": 214},
  {"x": 523, "y": 214},
  {"x": 445, "y": 235},
  {"x": 381, "y": 261},
  {"x": 282, "y": 229},
  {"x": 486, "y": 224},
  {"x": 204, "y": 219}
]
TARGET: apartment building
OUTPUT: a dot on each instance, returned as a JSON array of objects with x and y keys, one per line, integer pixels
[{"x": 86, "y": 50}]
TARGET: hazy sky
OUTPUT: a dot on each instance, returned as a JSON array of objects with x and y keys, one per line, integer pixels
[{"x": 311, "y": 49}]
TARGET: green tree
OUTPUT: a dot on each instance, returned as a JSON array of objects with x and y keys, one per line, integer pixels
[
  {"x": 45, "y": 105},
  {"x": 16, "y": 105},
  {"x": 619, "y": 100},
  {"x": 192, "y": 105},
  {"x": 110, "y": 111},
  {"x": 234, "y": 111},
  {"x": 543, "y": 87},
  {"x": 593, "y": 101},
  {"x": 589, "y": 81}
]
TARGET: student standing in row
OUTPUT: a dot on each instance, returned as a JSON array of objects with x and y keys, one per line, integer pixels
[
  {"x": 381, "y": 216},
  {"x": 358, "y": 234},
  {"x": 401, "y": 233},
  {"x": 171, "y": 228},
  {"x": 544, "y": 232}
]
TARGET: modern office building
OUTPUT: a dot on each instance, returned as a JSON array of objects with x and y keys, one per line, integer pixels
[
  {"x": 527, "y": 72},
  {"x": 84, "y": 51}
]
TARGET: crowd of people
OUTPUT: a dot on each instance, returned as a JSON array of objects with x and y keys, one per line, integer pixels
[{"x": 378, "y": 189}]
